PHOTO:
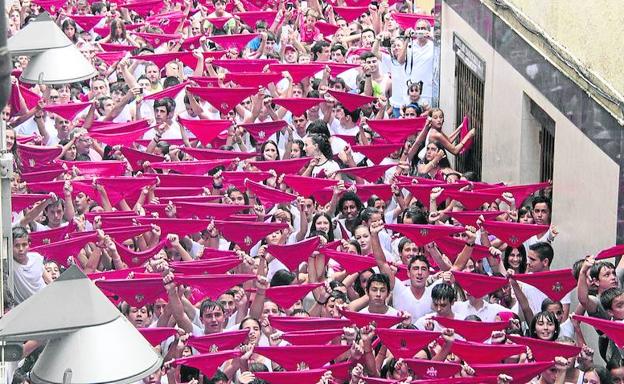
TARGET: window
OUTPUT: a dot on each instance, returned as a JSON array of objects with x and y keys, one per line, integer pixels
[
  {"x": 546, "y": 141},
  {"x": 469, "y": 103}
]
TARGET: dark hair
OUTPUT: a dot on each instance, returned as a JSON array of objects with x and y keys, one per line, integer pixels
[
  {"x": 523, "y": 211},
  {"x": 358, "y": 247},
  {"x": 416, "y": 258},
  {"x": 330, "y": 233},
  {"x": 367, "y": 213},
  {"x": 540, "y": 200},
  {"x": 209, "y": 304},
  {"x": 338, "y": 47},
  {"x": 367, "y": 55},
  {"x": 378, "y": 278},
  {"x": 125, "y": 308},
  {"x": 318, "y": 48},
  {"x": 170, "y": 81},
  {"x": 337, "y": 295},
  {"x": 301, "y": 145},
  {"x": 240, "y": 326},
  {"x": 349, "y": 196},
  {"x": 548, "y": 316},
  {"x": 544, "y": 251},
  {"x": 606, "y": 298},
  {"x": 318, "y": 127},
  {"x": 357, "y": 287},
  {"x": 402, "y": 243},
  {"x": 282, "y": 277},
  {"x": 443, "y": 291},
  {"x": 70, "y": 23},
  {"x": 322, "y": 142},
  {"x": 603, "y": 374},
  {"x": 19, "y": 233},
  {"x": 263, "y": 146},
  {"x": 166, "y": 102},
  {"x": 523, "y": 258},
  {"x": 548, "y": 302},
  {"x": 353, "y": 114},
  {"x": 594, "y": 271},
  {"x": 418, "y": 216}
]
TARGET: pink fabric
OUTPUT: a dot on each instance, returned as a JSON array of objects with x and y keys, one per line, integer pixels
[
  {"x": 247, "y": 234},
  {"x": 607, "y": 253},
  {"x": 306, "y": 186},
  {"x": 521, "y": 373},
  {"x": 176, "y": 181},
  {"x": 409, "y": 20},
  {"x": 520, "y": 192},
  {"x": 52, "y": 6},
  {"x": 376, "y": 153},
  {"x": 205, "y": 267},
  {"x": 298, "y": 106},
  {"x": 514, "y": 234},
  {"x": 136, "y": 259},
  {"x": 254, "y": 78},
  {"x": 479, "y": 285},
  {"x": 34, "y": 155},
  {"x": 267, "y": 195},
  {"x": 214, "y": 154},
  {"x": 352, "y": 263},
  {"x": 428, "y": 369},
  {"x": 351, "y": 101},
  {"x": 287, "y": 167},
  {"x": 180, "y": 227},
  {"x": 223, "y": 99},
  {"x": 472, "y": 330},
  {"x": 298, "y": 72},
  {"x": 20, "y": 202},
  {"x": 554, "y": 284},
  {"x": 251, "y": 18},
  {"x": 110, "y": 47},
  {"x": 212, "y": 286},
  {"x": 405, "y": 343},
  {"x": 210, "y": 253},
  {"x": 365, "y": 319},
  {"x": 292, "y": 255},
  {"x": 98, "y": 168},
  {"x": 87, "y": 22},
  {"x": 219, "y": 22},
  {"x": 287, "y": 295},
  {"x": 233, "y": 41},
  {"x": 471, "y": 200},
  {"x": 244, "y": 65},
  {"x": 471, "y": 217},
  {"x": 327, "y": 29},
  {"x": 613, "y": 329},
  {"x": 261, "y": 132},
  {"x": 110, "y": 58},
  {"x": 54, "y": 235},
  {"x": 370, "y": 173},
  {"x": 137, "y": 158},
  {"x": 157, "y": 335},
  {"x": 218, "y": 341},
  {"x": 157, "y": 39},
  {"x": 474, "y": 353},
  {"x": 315, "y": 337},
  {"x": 62, "y": 250},
  {"x": 546, "y": 350},
  {"x": 350, "y": 13},
  {"x": 192, "y": 167},
  {"x": 451, "y": 247},
  {"x": 67, "y": 111},
  {"x": 294, "y": 324},
  {"x": 29, "y": 96},
  {"x": 310, "y": 376},
  {"x": 423, "y": 234},
  {"x": 291, "y": 357},
  {"x": 209, "y": 211},
  {"x": 119, "y": 138},
  {"x": 237, "y": 178},
  {"x": 208, "y": 363},
  {"x": 143, "y": 8},
  {"x": 396, "y": 131},
  {"x": 171, "y": 92}
]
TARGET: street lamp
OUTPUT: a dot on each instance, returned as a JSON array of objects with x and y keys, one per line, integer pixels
[
  {"x": 87, "y": 339},
  {"x": 54, "y": 58}
]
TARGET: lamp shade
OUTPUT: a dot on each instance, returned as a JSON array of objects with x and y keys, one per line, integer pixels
[
  {"x": 37, "y": 36},
  {"x": 70, "y": 303},
  {"x": 129, "y": 357},
  {"x": 58, "y": 66}
]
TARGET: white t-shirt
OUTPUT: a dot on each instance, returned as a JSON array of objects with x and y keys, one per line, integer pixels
[
  {"x": 389, "y": 311},
  {"x": 329, "y": 167},
  {"x": 403, "y": 299},
  {"x": 537, "y": 297},
  {"x": 29, "y": 277},
  {"x": 487, "y": 313}
]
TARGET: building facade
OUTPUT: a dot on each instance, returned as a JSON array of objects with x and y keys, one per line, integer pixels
[{"x": 536, "y": 119}]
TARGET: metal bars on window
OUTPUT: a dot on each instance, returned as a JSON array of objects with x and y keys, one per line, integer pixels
[
  {"x": 546, "y": 141},
  {"x": 469, "y": 103}
]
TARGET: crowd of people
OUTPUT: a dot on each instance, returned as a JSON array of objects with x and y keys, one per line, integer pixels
[{"x": 264, "y": 189}]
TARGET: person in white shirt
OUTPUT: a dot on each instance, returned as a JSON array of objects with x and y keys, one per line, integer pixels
[
  {"x": 378, "y": 290},
  {"x": 28, "y": 272},
  {"x": 443, "y": 298}
]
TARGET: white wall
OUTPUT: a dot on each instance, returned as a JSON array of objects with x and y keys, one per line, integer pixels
[{"x": 585, "y": 179}]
